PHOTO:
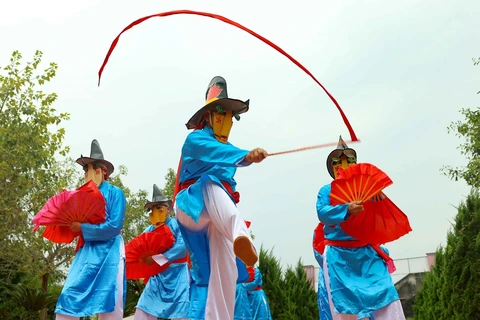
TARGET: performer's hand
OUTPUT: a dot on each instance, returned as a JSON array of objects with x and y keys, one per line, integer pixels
[
  {"x": 148, "y": 261},
  {"x": 76, "y": 226},
  {"x": 355, "y": 207},
  {"x": 256, "y": 155}
]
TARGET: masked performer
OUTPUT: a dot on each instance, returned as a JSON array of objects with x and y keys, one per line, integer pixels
[
  {"x": 96, "y": 280},
  {"x": 215, "y": 233}
]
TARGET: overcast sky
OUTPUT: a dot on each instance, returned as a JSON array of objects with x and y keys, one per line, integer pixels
[{"x": 401, "y": 70}]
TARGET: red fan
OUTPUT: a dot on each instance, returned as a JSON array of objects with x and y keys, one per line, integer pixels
[
  {"x": 144, "y": 245},
  {"x": 380, "y": 222},
  {"x": 85, "y": 205},
  {"x": 358, "y": 183}
]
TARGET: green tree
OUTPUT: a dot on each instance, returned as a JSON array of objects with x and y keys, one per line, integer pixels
[
  {"x": 451, "y": 290},
  {"x": 31, "y": 140},
  {"x": 469, "y": 131},
  {"x": 289, "y": 294}
]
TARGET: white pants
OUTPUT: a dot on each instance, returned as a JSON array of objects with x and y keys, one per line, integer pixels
[
  {"x": 142, "y": 315},
  {"x": 223, "y": 224},
  {"x": 117, "y": 313},
  {"x": 393, "y": 311}
]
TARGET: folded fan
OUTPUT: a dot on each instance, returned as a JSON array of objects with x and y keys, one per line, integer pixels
[
  {"x": 381, "y": 221},
  {"x": 85, "y": 205},
  {"x": 358, "y": 183},
  {"x": 145, "y": 245}
]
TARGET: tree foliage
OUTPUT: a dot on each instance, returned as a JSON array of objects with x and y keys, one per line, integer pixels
[
  {"x": 31, "y": 142},
  {"x": 469, "y": 131},
  {"x": 289, "y": 294},
  {"x": 451, "y": 290}
]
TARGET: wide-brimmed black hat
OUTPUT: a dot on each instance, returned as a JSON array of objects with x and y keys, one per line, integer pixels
[
  {"x": 342, "y": 148},
  {"x": 215, "y": 96},
  {"x": 96, "y": 156},
  {"x": 157, "y": 198}
]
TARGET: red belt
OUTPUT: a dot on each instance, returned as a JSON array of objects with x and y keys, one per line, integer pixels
[
  {"x": 181, "y": 260},
  {"x": 235, "y": 195},
  {"x": 258, "y": 288}
]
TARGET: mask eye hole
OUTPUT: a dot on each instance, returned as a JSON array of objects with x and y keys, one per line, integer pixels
[
  {"x": 336, "y": 160},
  {"x": 351, "y": 160}
]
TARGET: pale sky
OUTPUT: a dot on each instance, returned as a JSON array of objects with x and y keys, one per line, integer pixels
[{"x": 401, "y": 70}]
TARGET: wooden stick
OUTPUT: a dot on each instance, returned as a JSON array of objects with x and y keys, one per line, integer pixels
[{"x": 309, "y": 148}]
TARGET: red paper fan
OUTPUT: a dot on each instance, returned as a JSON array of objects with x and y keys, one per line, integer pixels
[
  {"x": 85, "y": 205},
  {"x": 144, "y": 245},
  {"x": 380, "y": 222},
  {"x": 358, "y": 183}
]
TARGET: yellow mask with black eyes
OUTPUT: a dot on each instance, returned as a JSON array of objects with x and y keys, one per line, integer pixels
[
  {"x": 343, "y": 162},
  {"x": 158, "y": 215},
  {"x": 221, "y": 124}
]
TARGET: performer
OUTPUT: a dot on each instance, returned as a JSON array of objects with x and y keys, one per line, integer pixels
[
  {"x": 356, "y": 276},
  {"x": 205, "y": 204},
  {"x": 322, "y": 294},
  {"x": 96, "y": 280},
  {"x": 256, "y": 296},
  {"x": 166, "y": 294}
]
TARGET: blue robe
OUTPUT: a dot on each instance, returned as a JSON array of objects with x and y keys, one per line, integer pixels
[
  {"x": 359, "y": 279},
  {"x": 205, "y": 159},
  {"x": 198, "y": 301},
  {"x": 242, "y": 304},
  {"x": 257, "y": 298},
  {"x": 91, "y": 285},
  {"x": 322, "y": 294},
  {"x": 166, "y": 294}
]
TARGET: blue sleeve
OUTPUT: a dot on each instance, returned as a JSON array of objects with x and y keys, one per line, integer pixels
[
  {"x": 178, "y": 250},
  {"x": 328, "y": 214},
  {"x": 115, "y": 214},
  {"x": 257, "y": 281},
  {"x": 201, "y": 146}
]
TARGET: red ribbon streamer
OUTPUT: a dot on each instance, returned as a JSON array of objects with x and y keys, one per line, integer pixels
[{"x": 233, "y": 23}]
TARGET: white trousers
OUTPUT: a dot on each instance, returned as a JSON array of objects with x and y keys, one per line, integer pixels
[
  {"x": 223, "y": 223},
  {"x": 393, "y": 311},
  {"x": 117, "y": 313}
]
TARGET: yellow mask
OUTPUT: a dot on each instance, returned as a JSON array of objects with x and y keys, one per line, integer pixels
[
  {"x": 342, "y": 162},
  {"x": 93, "y": 172},
  {"x": 158, "y": 215},
  {"x": 221, "y": 125}
]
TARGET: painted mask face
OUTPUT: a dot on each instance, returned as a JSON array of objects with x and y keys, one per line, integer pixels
[
  {"x": 345, "y": 161},
  {"x": 158, "y": 215},
  {"x": 221, "y": 124},
  {"x": 93, "y": 171}
]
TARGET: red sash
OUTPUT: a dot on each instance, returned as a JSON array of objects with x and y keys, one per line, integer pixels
[{"x": 235, "y": 195}]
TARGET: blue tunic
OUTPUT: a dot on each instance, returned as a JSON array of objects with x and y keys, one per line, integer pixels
[
  {"x": 242, "y": 305},
  {"x": 322, "y": 294},
  {"x": 359, "y": 279},
  {"x": 166, "y": 294},
  {"x": 91, "y": 285},
  {"x": 198, "y": 301},
  {"x": 205, "y": 159},
  {"x": 257, "y": 298}
]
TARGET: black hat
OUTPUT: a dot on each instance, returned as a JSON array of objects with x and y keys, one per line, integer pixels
[
  {"x": 96, "y": 156},
  {"x": 342, "y": 148},
  {"x": 157, "y": 198},
  {"x": 215, "y": 96}
]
